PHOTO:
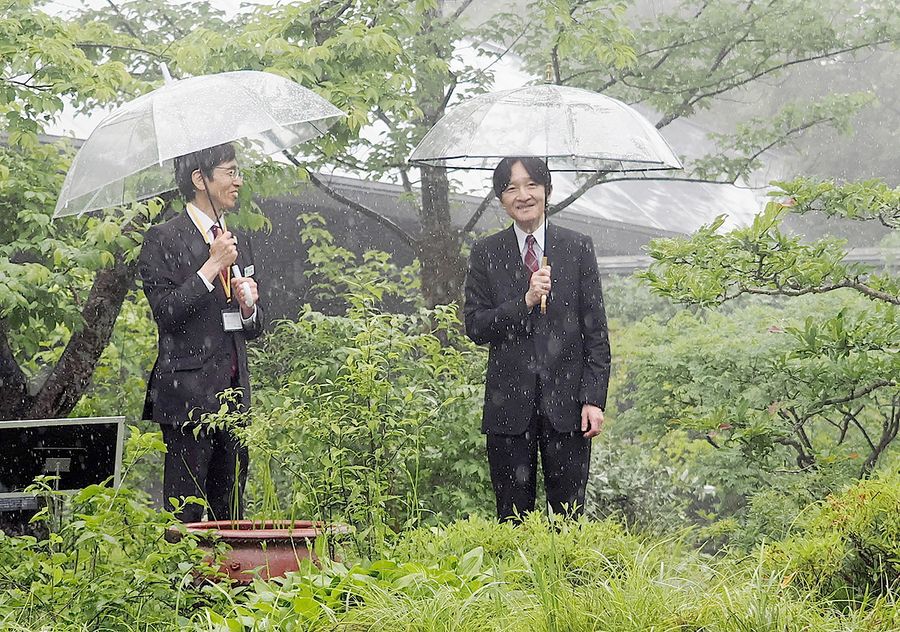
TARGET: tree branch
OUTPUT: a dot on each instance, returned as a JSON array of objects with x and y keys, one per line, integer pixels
[
  {"x": 804, "y": 460},
  {"x": 591, "y": 181},
  {"x": 470, "y": 225},
  {"x": 860, "y": 392},
  {"x": 460, "y": 10},
  {"x": 133, "y": 49},
  {"x": 356, "y": 206},
  {"x": 738, "y": 83},
  {"x": 124, "y": 20},
  {"x": 72, "y": 373},
  {"x": 864, "y": 433},
  {"x": 364, "y": 210},
  {"x": 862, "y": 288},
  {"x": 890, "y": 427}
]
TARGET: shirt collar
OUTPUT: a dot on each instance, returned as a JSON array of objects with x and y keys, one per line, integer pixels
[
  {"x": 538, "y": 237},
  {"x": 201, "y": 220}
]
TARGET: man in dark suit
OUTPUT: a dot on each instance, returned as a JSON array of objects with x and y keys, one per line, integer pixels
[
  {"x": 547, "y": 374},
  {"x": 205, "y": 314}
]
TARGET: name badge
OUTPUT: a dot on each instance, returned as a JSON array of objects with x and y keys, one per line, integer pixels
[
  {"x": 248, "y": 271},
  {"x": 231, "y": 320}
]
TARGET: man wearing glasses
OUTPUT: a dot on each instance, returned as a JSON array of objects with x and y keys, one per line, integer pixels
[{"x": 205, "y": 307}]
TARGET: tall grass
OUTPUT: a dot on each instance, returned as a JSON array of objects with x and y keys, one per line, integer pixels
[{"x": 476, "y": 575}]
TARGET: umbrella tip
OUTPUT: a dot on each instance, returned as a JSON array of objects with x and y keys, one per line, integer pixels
[{"x": 165, "y": 72}]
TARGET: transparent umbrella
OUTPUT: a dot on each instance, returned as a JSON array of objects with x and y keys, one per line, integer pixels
[
  {"x": 128, "y": 157},
  {"x": 573, "y": 129}
]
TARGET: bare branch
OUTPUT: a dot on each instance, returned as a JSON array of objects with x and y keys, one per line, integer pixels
[
  {"x": 749, "y": 78},
  {"x": 591, "y": 181},
  {"x": 124, "y": 20},
  {"x": 470, "y": 225},
  {"x": 460, "y": 10},
  {"x": 356, "y": 206},
  {"x": 364, "y": 210}
]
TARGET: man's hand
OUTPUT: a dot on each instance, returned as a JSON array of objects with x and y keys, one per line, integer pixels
[
  {"x": 222, "y": 254},
  {"x": 539, "y": 286},
  {"x": 591, "y": 420},
  {"x": 236, "y": 290}
]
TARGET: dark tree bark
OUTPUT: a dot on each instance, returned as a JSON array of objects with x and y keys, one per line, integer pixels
[
  {"x": 14, "y": 397},
  {"x": 72, "y": 374},
  {"x": 443, "y": 267}
]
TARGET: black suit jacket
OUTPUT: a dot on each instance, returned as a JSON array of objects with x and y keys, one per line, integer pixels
[
  {"x": 567, "y": 349},
  {"x": 194, "y": 358}
]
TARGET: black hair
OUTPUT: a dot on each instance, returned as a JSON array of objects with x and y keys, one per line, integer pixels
[
  {"x": 536, "y": 168},
  {"x": 205, "y": 160}
]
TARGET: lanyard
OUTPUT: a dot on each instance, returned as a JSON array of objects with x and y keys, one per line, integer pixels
[{"x": 225, "y": 277}]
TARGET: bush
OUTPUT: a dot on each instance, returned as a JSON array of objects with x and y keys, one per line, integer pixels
[
  {"x": 103, "y": 566},
  {"x": 368, "y": 418},
  {"x": 848, "y": 546}
]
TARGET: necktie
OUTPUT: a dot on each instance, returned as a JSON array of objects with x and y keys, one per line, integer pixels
[{"x": 531, "y": 260}]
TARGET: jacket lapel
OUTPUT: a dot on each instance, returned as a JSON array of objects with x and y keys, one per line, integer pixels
[
  {"x": 197, "y": 251},
  {"x": 511, "y": 259},
  {"x": 551, "y": 239}
]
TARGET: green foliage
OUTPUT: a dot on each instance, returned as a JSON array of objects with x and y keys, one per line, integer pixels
[
  {"x": 848, "y": 546},
  {"x": 686, "y": 57},
  {"x": 867, "y": 200},
  {"x": 739, "y": 153},
  {"x": 338, "y": 278},
  {"x": 368, "y": 418},
  {"x": 106, "y": 566},
  {"x": 41, "y": 66},
  {"x": 710, "y": 267},
  {"x": 559, "y": 37},
  {"x": 770, "y": 412},
  {"x": 477, "y": 575},
  {"x": 753, "y": 410}
]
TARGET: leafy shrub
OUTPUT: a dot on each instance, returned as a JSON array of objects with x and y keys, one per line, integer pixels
[
  {"x": 369, "y": 418},
  {"x": 104, "y": 567},
  {"x": 848, "y": 546}
]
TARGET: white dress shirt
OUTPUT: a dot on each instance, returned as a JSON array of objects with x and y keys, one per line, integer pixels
[
  {"x": 521, "y": 235},
  {"x": 204, "y": 224}
]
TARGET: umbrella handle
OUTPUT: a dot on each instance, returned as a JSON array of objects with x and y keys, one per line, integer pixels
[
  {"x": 544, "y": 297},
  {"x": 245, "y": 287}
]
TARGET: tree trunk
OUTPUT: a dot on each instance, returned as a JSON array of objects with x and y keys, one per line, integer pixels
[
  {"x": 14, "y": 397},
  {"x": 443, "y": 267},
  {"x": 72, "y": 374}
]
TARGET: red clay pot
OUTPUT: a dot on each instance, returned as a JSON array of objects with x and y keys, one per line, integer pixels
[{"x": 273, "y": 546}]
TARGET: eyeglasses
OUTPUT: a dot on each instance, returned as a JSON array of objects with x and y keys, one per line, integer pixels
[{"x": 232, "y": 172}]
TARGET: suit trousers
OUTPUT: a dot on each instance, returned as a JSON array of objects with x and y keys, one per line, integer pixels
[
  {"x": 565, "y": 462},
  {"x": 213, "y": 465}
]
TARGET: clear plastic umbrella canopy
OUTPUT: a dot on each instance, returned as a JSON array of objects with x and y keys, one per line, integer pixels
[
  {"x": 573, "y": 129},
  {"x": 128, "y": 157}
]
